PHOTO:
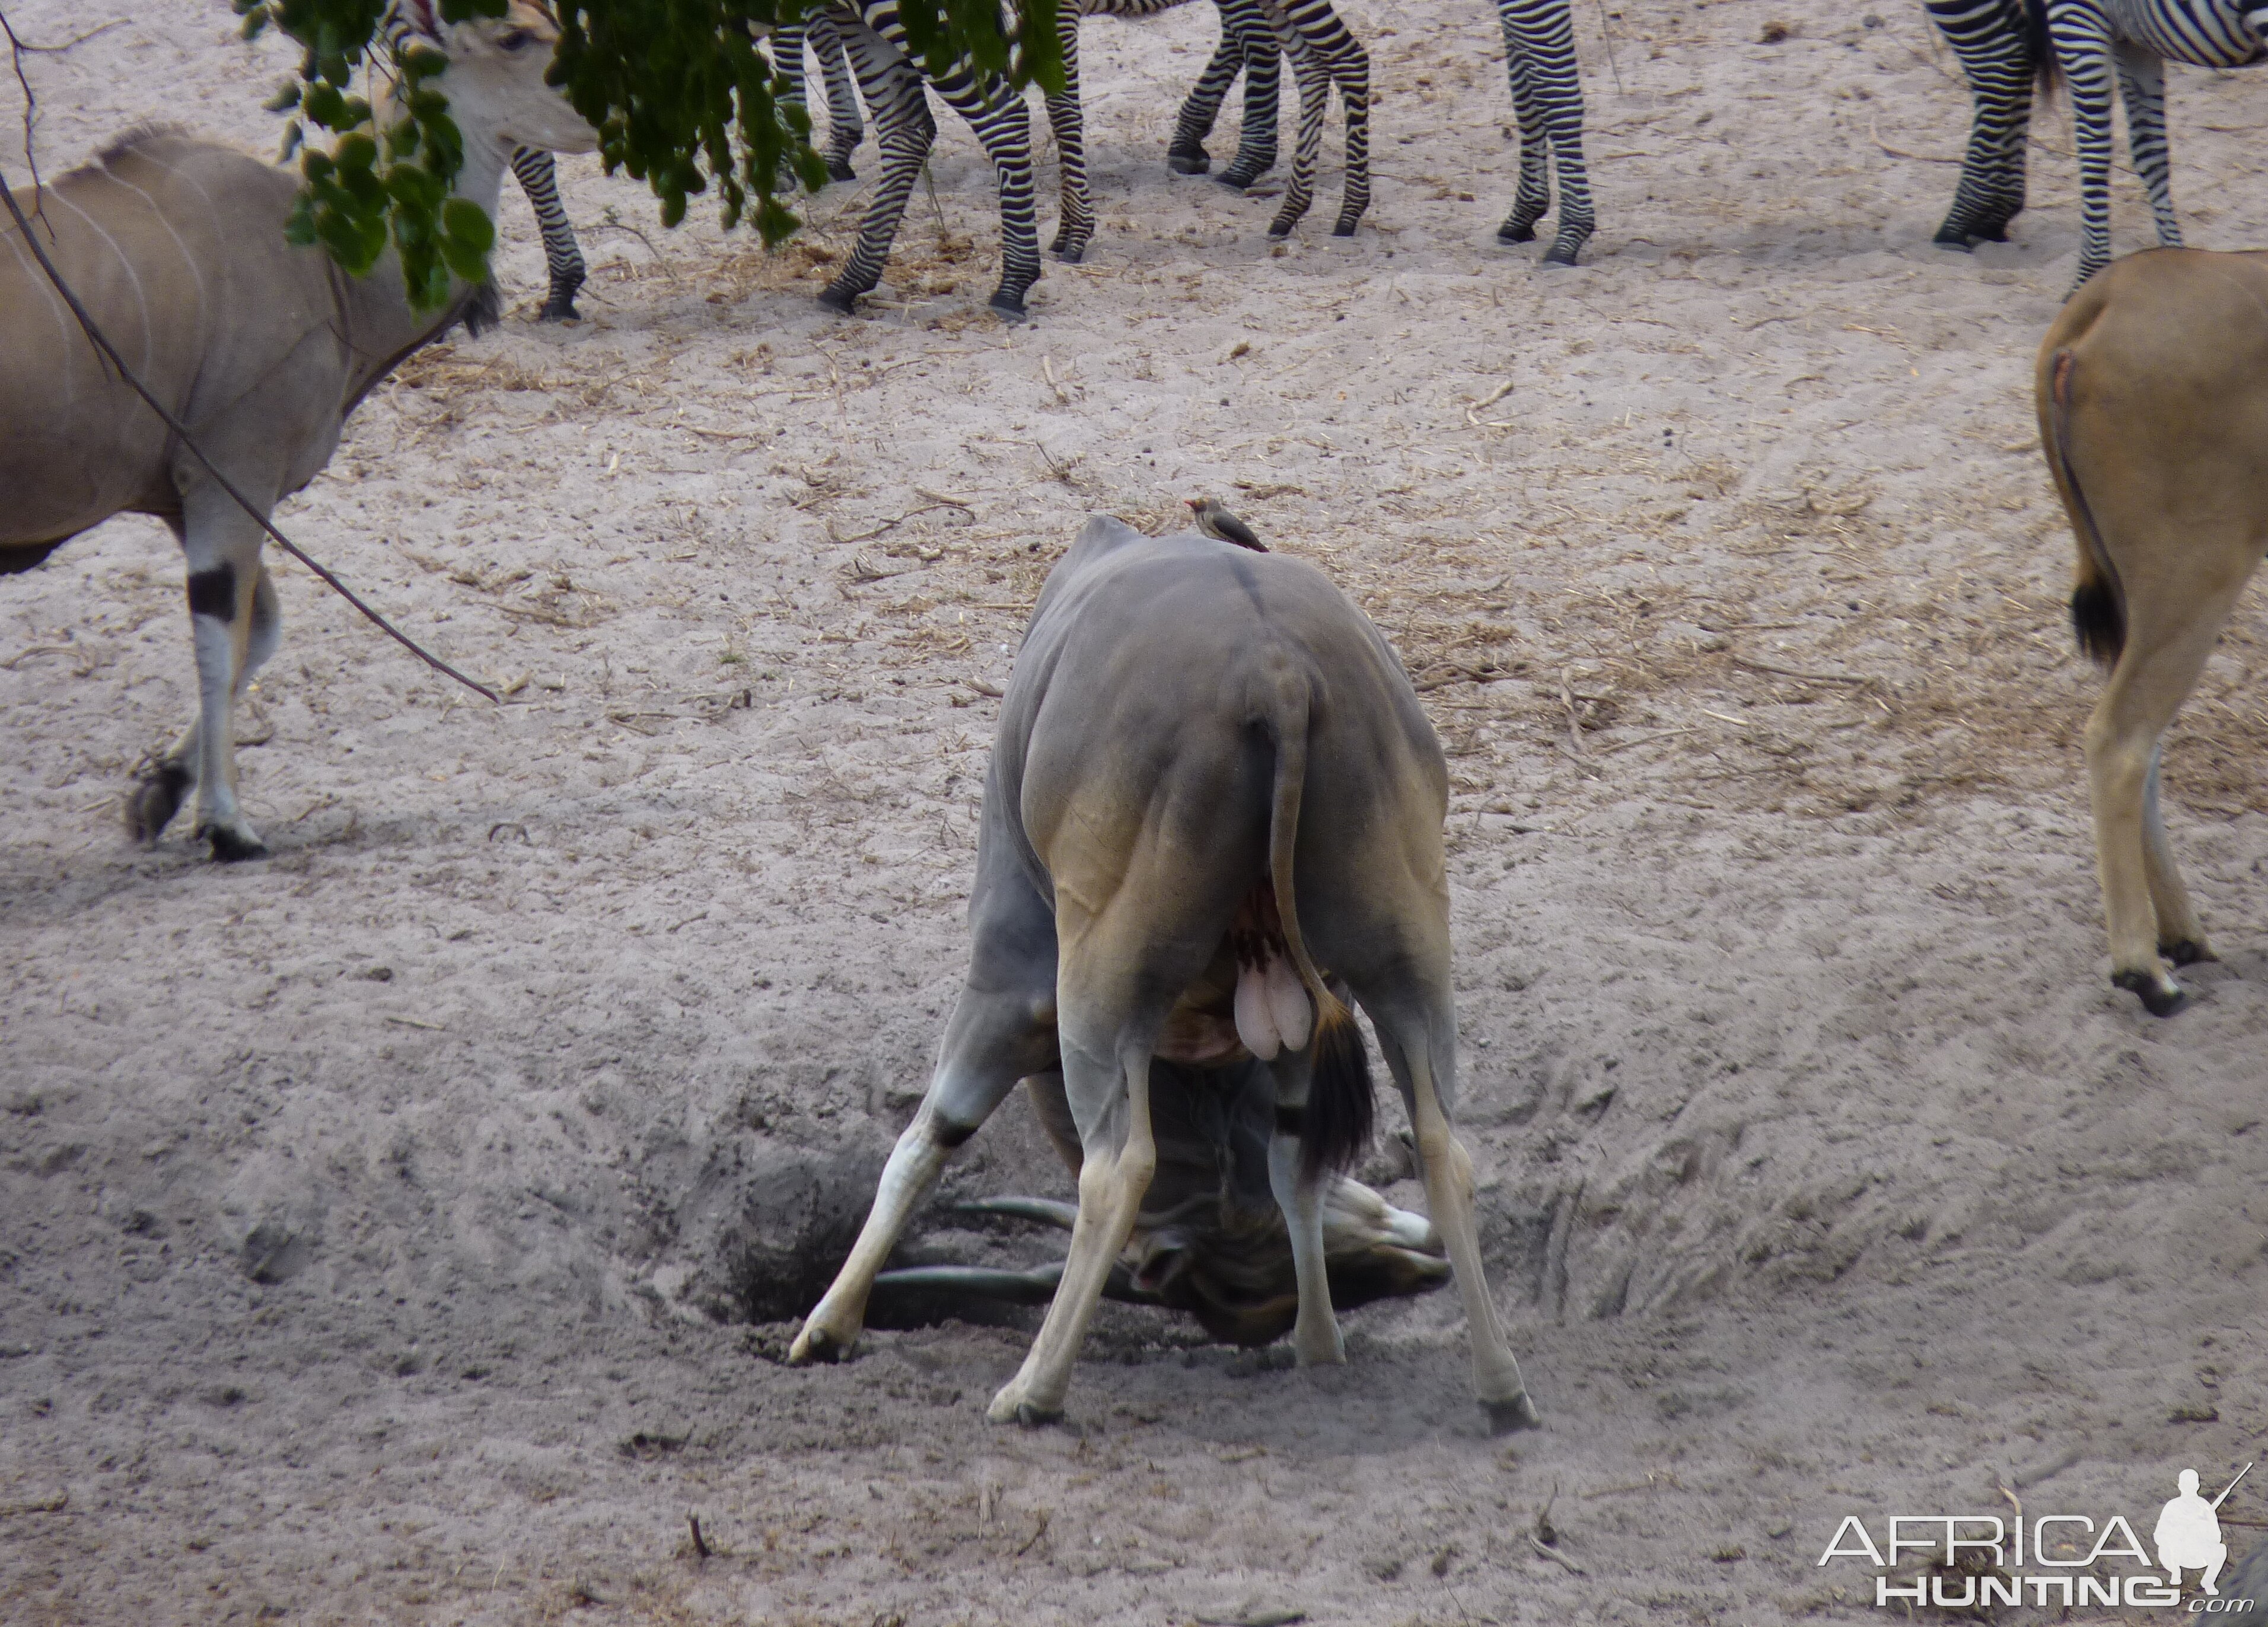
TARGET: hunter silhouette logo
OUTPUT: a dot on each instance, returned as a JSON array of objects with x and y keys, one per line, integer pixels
[{"x": 2188, "y": 1533}]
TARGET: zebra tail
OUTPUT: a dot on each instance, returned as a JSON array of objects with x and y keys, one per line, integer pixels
[
  {"x": 2046, "y": 71},
  {"x": 2098, "y": 602}
]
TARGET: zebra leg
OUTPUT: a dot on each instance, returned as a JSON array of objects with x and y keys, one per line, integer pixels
[
  {"x": 2082, "y": 44},
  {"x": 539, "y": 179},
  {"x": 2142, "y": 79},
  {"x": 1350, "y": 70},
  {"x": 1532, "y": 200},
  {"x": 785, "y": 47},
  {"x": 999, "y": 119},
  {"x": 1075, "y": 230},
  {"x": 1315, "y": 102},
  {"x": 1256, "y": 140},
  {"x": 1994, "y": 43},
  {"x": 844, "y": 129},
  {"x": 1546, "y": 32},
  {"x": 1185, "y": 154},
  {"x": 892, "y": 89}
]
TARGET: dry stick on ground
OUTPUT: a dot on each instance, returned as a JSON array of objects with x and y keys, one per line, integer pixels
[
  {"x": 700, "y": 1547},
  {"x": 189, "y": 445}
]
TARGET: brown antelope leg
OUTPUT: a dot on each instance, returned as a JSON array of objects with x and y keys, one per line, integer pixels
[
  {"x": 1448, "y": 1170},
  {"x": 2180, "y": 937},
  {"x": 988, "y": 1045},
  {"x": 1315, "y": 1337},
  {"x": 1119, "y": 1157},
  {"x": 2169, "y": 635}
]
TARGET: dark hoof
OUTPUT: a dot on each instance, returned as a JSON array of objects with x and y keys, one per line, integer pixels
[
  {"x": 1071, "y": 254},
  {"x": 1188, "y": 160},
  {"x": 1513, "y": 231},
  {"x": 2186, "y": 953},
  {"x": 1234, "y": 182},
  {"x": 1993, "y": 234},
  {"x": 1559, "y": 254},
  {"x": 839, "y": 169},
  {"x": 1009, "y": 306},
  {"x": 1037, "y": 1417},
  {"x": 2160, "y": 996},
  {"x": 1507, "y": 1417},
  {"x": 231, "y": 849},
  {"x": 839, "y": 300},
  {"x": 559, "y": 311},
  {"x": 1955, "y": 238},
  {"x": 154, "y": 800},
  {"x": 1346, "y": 226}
]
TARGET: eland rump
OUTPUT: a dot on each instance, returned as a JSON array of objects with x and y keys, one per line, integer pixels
[
  {"x": 260, "y": 348},
  {"x": 1212, "y": 781}
]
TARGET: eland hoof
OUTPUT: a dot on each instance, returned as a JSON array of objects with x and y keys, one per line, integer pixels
[
  {"x": 2187, "y": 952},
  {"x": 1505, "y": 1418},
  {"x": 232, "y": 847},
  {"x": 154, "y": 800},
  {"x": 816, "y": 1343},
  {"x": 2161, "y": 994}
]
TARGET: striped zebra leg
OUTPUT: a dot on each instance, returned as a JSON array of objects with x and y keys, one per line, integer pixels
[
  {"x": 539, "y": 179},
  {"x": 2142, "y": 81},
  {"x": 893, "y": 92},
  {"x": 1264, "y": 78},
  {"x": 1533, "y": 199},
  {"x": 844, "y": 129},
  {"x": 1075, "y": 227},
  {"x": 1994, "y": 42},
  {"x": 1186, "y": 154},
  {"x": 2081, "y": 36},
  {"x": 904, "y": 132},
  {"x": 1547, "y": 92},
  {"x": 1323, "y": 53}
]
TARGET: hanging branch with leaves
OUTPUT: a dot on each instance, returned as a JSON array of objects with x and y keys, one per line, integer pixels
[{"x": 682, "y": 93}]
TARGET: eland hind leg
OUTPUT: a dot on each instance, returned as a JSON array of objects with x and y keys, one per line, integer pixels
[
  {"x": 2170, "y": 631},
  {"x": 1000, "y": 1030}
]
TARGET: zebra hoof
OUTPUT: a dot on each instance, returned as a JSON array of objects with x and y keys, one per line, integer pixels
[
  {"x": 1009, "y": 306},
  {"x": 1561, "y": 255},
  {"x": 1514, "y": 231},
  {"x": 1954, "y": 238},
  {"x": 1188, "y": 160},
  {"x": 559, "y": 311},
  {"x": 839, "y": 169},
  {"x": 1072, "y": 253},
  {"x": 840, "y": 301},
  {"x": 1346, "y": 226}
]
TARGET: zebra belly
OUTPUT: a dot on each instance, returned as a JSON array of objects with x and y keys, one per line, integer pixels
[{"x": 2206, "y": 33}]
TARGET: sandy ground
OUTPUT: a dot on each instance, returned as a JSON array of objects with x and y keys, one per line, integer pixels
[{"x": 405, "y": 1229}]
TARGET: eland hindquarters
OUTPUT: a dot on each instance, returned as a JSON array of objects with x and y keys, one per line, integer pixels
[{"x": 1213, "y": 802}]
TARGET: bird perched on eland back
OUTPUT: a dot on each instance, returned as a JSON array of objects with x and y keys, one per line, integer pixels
[{"x": 1214, "y": 519}]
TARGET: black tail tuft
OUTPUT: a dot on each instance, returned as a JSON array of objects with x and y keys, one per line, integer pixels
[
  {"x": 1336, "y": 1129},
  {"x": 2099, "y": 620},
  {"x": 2047, "y": 72}
]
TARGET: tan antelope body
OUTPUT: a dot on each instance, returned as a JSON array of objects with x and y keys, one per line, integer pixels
[
  {"x": 1208, "y": 764},
  {"x": 2152, "y": 394},
  {"x": 261, "y": 349}
]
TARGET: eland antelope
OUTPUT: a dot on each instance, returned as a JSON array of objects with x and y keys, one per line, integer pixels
[
  {"x": 1212, "y": 779},
  {"x": 2151, "y": 387},
  {"x": 261, "y": 349}
]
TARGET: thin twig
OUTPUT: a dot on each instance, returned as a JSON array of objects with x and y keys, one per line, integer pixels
[
  {"x": 15, "y": 49},
  {"x": 700, "y": 1547},
  {"x": 189, "y": 444},
  {"x": 1607, "y": 34},
  {"x": 120, "y": 22}
]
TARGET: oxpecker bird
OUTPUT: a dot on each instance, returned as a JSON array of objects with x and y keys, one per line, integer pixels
[{"x": 1214, "y": 519}]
